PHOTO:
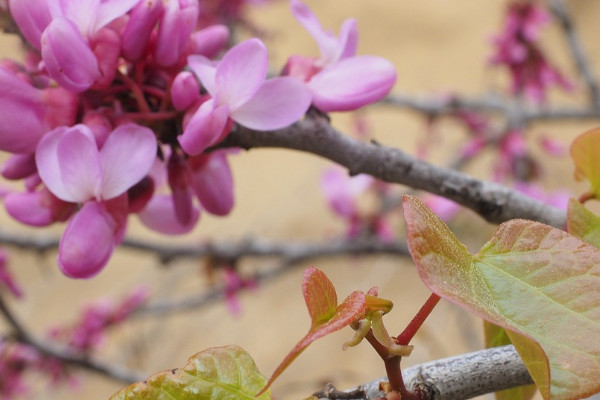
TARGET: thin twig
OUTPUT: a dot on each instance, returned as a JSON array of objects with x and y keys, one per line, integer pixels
[{"x": 563, "y": 16}]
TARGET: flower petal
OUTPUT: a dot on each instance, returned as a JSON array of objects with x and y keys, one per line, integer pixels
[
  {"x": 348, "y": 39},
  {"x": 140, "y": 25},
  {"x": 210, "y": 41},
  {"x": 32, "y": 17},
  {"x": 205, "y": 71},
  {"x": 213, "y": 184},
  {"x": 352, "y": 83},
  {"x": 329, "y": 46},
  {"x": 278, "y": 103},
  {"x": 68, "y": 57},
  {"x": 126, "y": 157},
  {"x": 159, "y": 215},
  {"x": 39, "y": 208},
  {"x": 88, "y": 242},
  {"x": 108, "y": 11},
  {"x": 176, "y": 26},
  {"x": 68, "y": 163},
  {"x": 205, "y": 128},
  {"x": 241, "y": 72}
]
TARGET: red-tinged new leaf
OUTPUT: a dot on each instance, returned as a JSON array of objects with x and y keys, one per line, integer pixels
[
  {"x": 319, "y": 295},
  {"x": 537, "y": 282},
  {"x": 221, "y": 373},
  {"x": 583, "y": 223},
  {"x": 352, "y": 308},
  {"x": 585, "y": 151},
  {"x": 496, "y": 336}
]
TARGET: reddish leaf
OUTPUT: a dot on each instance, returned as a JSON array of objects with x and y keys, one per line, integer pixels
[
  {"x": 585, "y": 151},
  {"x": 319, "y": 295},
  {"x": 537, "y": 282},
  {"x": 351, "y": 309}
]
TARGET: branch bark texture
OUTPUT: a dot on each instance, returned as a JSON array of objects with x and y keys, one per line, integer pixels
[
  {"x": 464, "y": 376},
  {"x": 494, "y": 202}
]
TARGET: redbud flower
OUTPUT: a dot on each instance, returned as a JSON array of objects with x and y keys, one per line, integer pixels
[
  {"x": 176, "y": 26},
  {"x": 342, "y": 191},
  {"x": 75, "y": 170},
  {"x": 26, "y": 113},
  {"x": 517, "y": 49},
  {"x": 339, "y": 80},
  {"x": 240, "y": 91},
  {"x": 212, "y": 182}
]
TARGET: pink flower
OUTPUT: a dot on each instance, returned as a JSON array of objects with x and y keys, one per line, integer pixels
[
  {"x": 444, "y": 208},
  {"x": 339, "y": 80},
  {"x": 26, "y": 113},
  {"x": 75, "y": 170},
  {"x": 212, "y": 182},
  {"x": 239, "y": 91},
  {"x": 342, "y": 191},
  {"x": 517, "y": 49},
  {"x": 69, "y": 38},
  {"x": 176, "y": 26},
  {"x": 6, "y": 277}
]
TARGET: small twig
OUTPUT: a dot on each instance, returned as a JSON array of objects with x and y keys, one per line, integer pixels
[{"x": 563, "y": 16}]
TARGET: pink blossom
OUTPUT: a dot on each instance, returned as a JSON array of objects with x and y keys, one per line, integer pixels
[
  {"x": 210, "y": 41},
  {"x": 552, "y": 146},
  {"x": 234, "y": 283},
  {"x": 159, "y": 215},
  {"x": 444, "y": 208},
  {"x": 68, "y": 39},
  {"x": 339, "y": 80},
  {"x": 26, "y": 113},
  {"x": 142, "y": 20},
  {"x": 6, "y": 277},
  {"x": 239, "y": 91},
  {"x": 38, "y": 207},
  {"x": 341, "y": 191},
  {"x": 176, "y": 26},
  {"x": 75, "y": 170},
  {"x": 557, "y": 198},
  {"x": 212, "y": 182},
  {"x": 185, "y": 90},
  {"x": 517, "y": 49}
]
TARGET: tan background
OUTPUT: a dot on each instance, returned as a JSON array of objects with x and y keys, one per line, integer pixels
[{"x": 438, "y": 46}]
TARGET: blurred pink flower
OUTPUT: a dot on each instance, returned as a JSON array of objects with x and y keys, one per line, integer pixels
[
  {"x": 516, "y": 48},
  {"x": 340, "y": 80}
]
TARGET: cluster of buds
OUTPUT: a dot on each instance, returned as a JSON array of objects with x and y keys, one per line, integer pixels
[
  {"x": 517, "y": 49},
  {"x": 120, "y": 103}
]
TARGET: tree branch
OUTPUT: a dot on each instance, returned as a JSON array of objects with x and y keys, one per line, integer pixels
[
  {"x": 461, "y": 377},
  {"x": 492, "y": 201}
]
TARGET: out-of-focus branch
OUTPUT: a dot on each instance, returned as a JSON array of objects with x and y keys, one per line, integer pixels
[
  {"x": 491, "y": 103},
  {"x": 494, "y": 202},
  {"x": 288, "y": 252},
  {"x": 563, "y": 16},
  {"x": 456, "y": 378},
  {"x": 66, "y": 355}
]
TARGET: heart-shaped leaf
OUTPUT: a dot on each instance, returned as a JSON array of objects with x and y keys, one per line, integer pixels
[
  {"x": 496, "y": 336},
  {"x": 319, "y": 294},
  {"x": 585, "y": 151},
  {"x": 222, "y": 373},
  {"x": 583, "y": 223},
  {"x": 538, "y": 282}
]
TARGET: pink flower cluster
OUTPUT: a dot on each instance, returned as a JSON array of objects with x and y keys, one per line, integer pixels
[
  {"x": 90, "y": 331},
  {"x": 116, "y": 106},
  {"x": 18, "y": 359},
  {"x": 517, "y": 49}
]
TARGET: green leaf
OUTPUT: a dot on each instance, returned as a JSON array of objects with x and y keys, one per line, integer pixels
[
  {"x": 585, "y": 151},
  {"x": 583, "y": 223},
  {"x": 316, "y": 284},
  {"x": 496, "y": 336},
  {"x": 536, "y": 281},
  {"x": 222, "y": 373}
]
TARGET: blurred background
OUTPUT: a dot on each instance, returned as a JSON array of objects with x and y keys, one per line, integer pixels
[{"x": 439, "y": 48}]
